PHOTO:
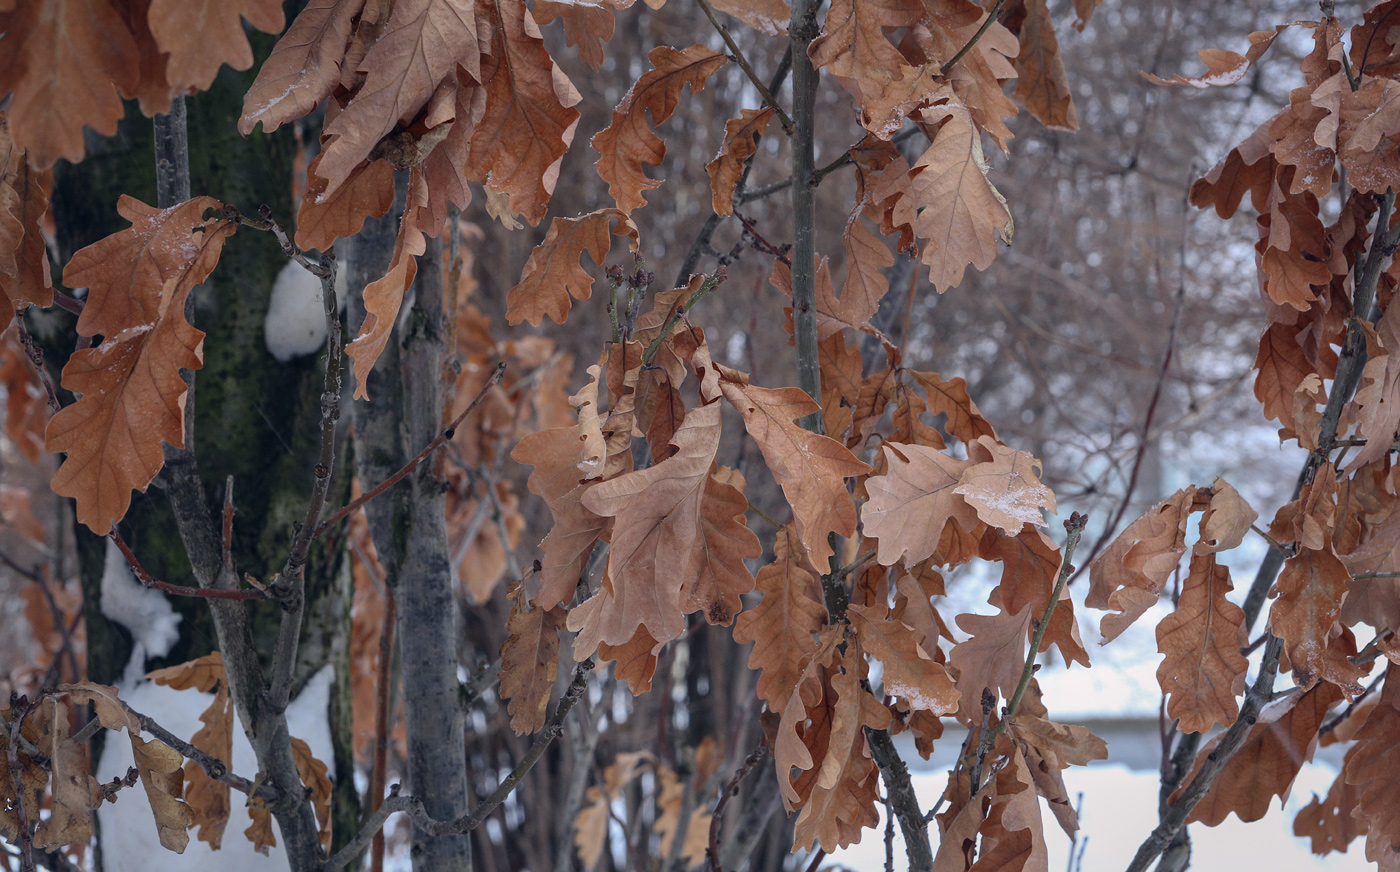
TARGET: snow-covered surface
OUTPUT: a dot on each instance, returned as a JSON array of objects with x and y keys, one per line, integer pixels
[
  {"x": 296, "y": 320},
  {"x": 129, "y": 840},
  {"x": 1120, "y": 809}
]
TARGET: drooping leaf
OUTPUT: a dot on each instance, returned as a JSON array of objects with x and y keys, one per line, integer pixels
[
  {"x": 132, "y": 395},
  {"x": 657, "y": 512},
  {"x": 1226, "y": 521},
  {"x": 717, "y": 575},
  {"x": 552, "y": 274},
  {"x": 315, "y": 777},
  {"x": 628, "y": 141},
  {"x": 1041, "y": 84},
  {"x": 208, "y": 799},
  {"x": 1203, "y": 673},
  {"x": 303, "y": 68},
  {"x": 992, "y": 659},
  {"x": 1373, "y": 769},
  {"x": 164, "y": 779},
  {"x": 72, "y": 788},
  {"x": 24, "y": 200},
  {"x": 784, "y": 623},
  {"x": 811, "y": 469},
  {"x": 740, "y": 142},
  {"x": 529, "y": 660},
  {"x": 1225, "y": 67},
  {"x": 530, "y": 117},
  {"x": 557, "y": 479},
  {"x": 1311, "y": 588},
  {"x": 1130, "y": 574},
  {"x": 949, "y": 397},
  {"x": 323, "y": 218},
  {"x": 586, "y": 27}
]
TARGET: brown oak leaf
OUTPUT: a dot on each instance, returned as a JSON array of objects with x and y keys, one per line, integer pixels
[
  {"x": 913, "y": 501},
  {"x": 202, "y": 35},
  {"x": 553, "y": 274},
  {"x": 740, "y": 142},
  {"x": 1203, "y": 671},
  {"x": 304, "y": 66},
  {"x": 529, "y": 660},
  {"x": 783, "y": 625}
]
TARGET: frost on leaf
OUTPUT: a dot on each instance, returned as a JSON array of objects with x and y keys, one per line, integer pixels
[
  {"x": 1225, "y": 67},
  {"x": 628, "y": 141},
  {"x": 553, "y": 274},
  {"x": 132, "y": 395},
  {"x": 1006, "y": 490},
  {"x": 1203, "y": 671},
  {"x": 303, "y": 68},
  {"x": 811, "y": 469},
  {"x": 910, "y": 673}
]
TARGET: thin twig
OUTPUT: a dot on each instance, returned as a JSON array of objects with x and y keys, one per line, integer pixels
[
  {"x": 711, "y": 282},
  {"x": 381, "y": 725},
  {"x": 986, "y": 25},
  {"x": 438, "y": 441},
  {"x": 1074, "y": 528},
  {"x": 743, "y": 62},
  {"x": 1233, "y": 738},
  {"x": 178, "y": 589},
  {"x": 36, "y": 357},
  {"x": 468, "y": 822},
  {"x": 731, "y": 790}
]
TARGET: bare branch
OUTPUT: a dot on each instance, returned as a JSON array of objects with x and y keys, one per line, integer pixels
[{"x": 178, "y": 589}]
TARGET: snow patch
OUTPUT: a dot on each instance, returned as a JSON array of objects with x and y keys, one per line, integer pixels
[
  {"x": 296, "y": 322},
  {"x": 147, "y": 614}
]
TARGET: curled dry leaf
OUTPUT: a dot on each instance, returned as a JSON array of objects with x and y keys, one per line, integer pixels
[
  {"x": 628, "y": 141},
  {"x": 24, "y": 201},
  {"x": 74, "y": 792},
  {"x": 1311, "y": 588},
  {"x": 208, "y": 799},
  {"x": 553, "y": 274},
  {"x": 1225, "y": 67},
  {"x": 324, "y": 218},
  {"x": 164, "y": 780},
  {"x": 811, "y": 469},
  {"x": 1006, "y": 490},
  {"x": 1373, "y": 770},
  {"x": 132, "y": 395},
  {"x": 740, "y": 142},
  {"x": 1203, "y": 671},
  {"x": 1130, "y": 574},
  {"x": 993, "y": 658},
  {"x": 1041, "y": 84},
  {"x": 1226, "y": 521},
  {"x": 556, "y": 478}
]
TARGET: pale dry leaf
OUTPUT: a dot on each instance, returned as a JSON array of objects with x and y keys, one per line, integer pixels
[
  {"x": 913, "y": 501},
  {"x": 1006, "y": 490},
  {"x": 529, "y": 660},
  {"x": 303, "y": 68},
  {"x": 553, "y": 273}
]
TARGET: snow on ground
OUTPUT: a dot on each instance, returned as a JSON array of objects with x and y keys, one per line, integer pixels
[
  {"x": 129, "y": 840},
  {"x": 1120, "y": 809}
]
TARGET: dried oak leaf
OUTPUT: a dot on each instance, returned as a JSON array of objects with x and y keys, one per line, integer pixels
[
  {"x": 315, "y": 777},
  {"x": 1013, "y": 837},
  {"x": 669, "y": 807},
  {"x": 529, "y": 118},
  {"x": 202, "y": 35},
  {"x": 993, "y": 658},
  {"x": 740, "y": 142},
  {"x": 1329, "y": 822},
  {"x": 208, "y": 799},
  {"x": 1225, "y": 67},
  {"x": 164, "y": 780},
  {"x": 529, "y": 660},
  {"x": 910, "y": 673},
  {"x": 717, "y": 575},
  {"x": 304, "y": 67},
  {"x": 628, "y": 141},
  {"x": 65, "y": 64},
  {"x": 949, "y": 397},
  {"x": 1373, "y": 769},
  {"x": 1130, "y": 574},
  {"x": 1227, "y": 520},
  {"x": 1006, "y": 490},
  {"x": 1378, "y": 398},
  {"x": 811, "y": 469},
  {"x": 853, "y": 47},
  {"x": 553, "y": 274},
  {"x": 1030, "y": 567},
  {"x": 842, "y": 802},
  {"x": 1041, "y": 83},
  {"x": 657, "y": 521},
  {"x": 960, "y": 213},
  {"x": 782, "y": 627},
  {"x": 769, "y": 17},
  {"x": 368, "y": 192},
  {"x": 591, "y": 823},
  {"x": 26, "y": 405},
  {"x": 1203, "y": 671},
  {"x": 24, "y": 200},
  {"x": 586, "y": 27},
  {"x": 913, "y": 501},
  {"x": 421, "y": 46},
  {"x": 1311, "y": 588},
  {"x": 1051, "y": 748},
  {"x": 1266, "y": 764},
  {"x": 74, "y": 792},
  {"x": 132, "y": 395}
]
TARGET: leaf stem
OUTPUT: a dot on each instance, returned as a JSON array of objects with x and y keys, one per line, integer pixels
[
  {"x": 743, "y": 63},
  {"x": 986, "y": 25}
]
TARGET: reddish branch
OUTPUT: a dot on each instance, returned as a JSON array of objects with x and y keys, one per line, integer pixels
[
  {"x": 731, "y": 790},
  {"x": 441, "y": 439},
  {"x": 178, "y": 589}
]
